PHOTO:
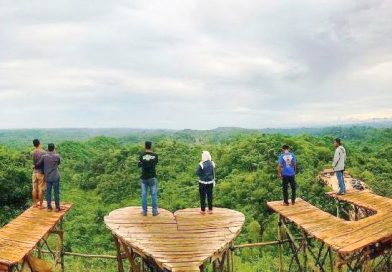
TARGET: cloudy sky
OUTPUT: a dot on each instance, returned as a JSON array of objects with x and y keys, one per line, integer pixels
[{"x": 194, "y": 64}]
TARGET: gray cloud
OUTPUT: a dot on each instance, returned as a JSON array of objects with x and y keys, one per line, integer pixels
[{"x": 194, "y": 64}]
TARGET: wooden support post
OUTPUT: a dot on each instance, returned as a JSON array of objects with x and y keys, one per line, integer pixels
[
  {"x": 228, "y": 259},
  {"x": 120, "y": 267},
  {"x": 330, "y": 258},
  {"x": 222, "y": 263},
  {"x": 214, "y": 265},
  {"x": 294, "y": 247},
  {"x": 232, "y": 260},
  {"x": 367, "y": 263},
  {"x": 304, "y": 246},
  {"x": 356, "y": 213},
  {"x": 280, "y": 245},
  {"x": 61, "y": 247},
  {"x": 339, "y": 262},
  {"x": 131, "y": 258},
  {"x": 337, "y": 208}
]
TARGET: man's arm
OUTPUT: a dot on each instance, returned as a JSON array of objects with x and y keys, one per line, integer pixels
[
  {"x": 336, "y": 158},
  {"x": 280, "y": 164},
  {"x": 295, "y": 164},
  {"x": 279, "y": 170},
  {"x": 156, "y": 159},
  {"x": 140, "y": 163},
  {"x": 40, "y": 163}
]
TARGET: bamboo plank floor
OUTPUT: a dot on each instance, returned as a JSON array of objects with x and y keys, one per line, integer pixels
[
  {"x": 345, "y": 237},
  {"x": 19, "y": 237},
  {"x": 177, "y": 242}
]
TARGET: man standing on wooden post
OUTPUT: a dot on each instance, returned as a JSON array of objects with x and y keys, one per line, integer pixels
[
  {"x": 148, "y": 161},
  {"x": 338, "y": 164},
  {"x": 287, "y": 169},
  {"x": 38, "y": 178}
]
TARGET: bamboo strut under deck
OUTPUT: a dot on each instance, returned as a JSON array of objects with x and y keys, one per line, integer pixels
[{"x": 113, "y": 257}]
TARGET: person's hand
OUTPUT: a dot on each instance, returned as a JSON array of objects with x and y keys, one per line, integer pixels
[{"x": 280, "y": 175}]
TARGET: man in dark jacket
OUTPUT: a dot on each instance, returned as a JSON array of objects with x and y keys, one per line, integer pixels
[
  {"x": 50, "y": 163},
  {"x": 147, "y": 162}
]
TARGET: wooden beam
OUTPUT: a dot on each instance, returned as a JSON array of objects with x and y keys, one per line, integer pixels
[{"x": 120, "y": 267}]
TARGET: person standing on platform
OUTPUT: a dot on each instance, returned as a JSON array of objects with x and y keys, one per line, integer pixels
[
  {"x": 50, "y": 163},
  {"x": 147, "y": 162},
  {"x": 287, "y": 168},
  {"x": 338, "y": 164},
  {"x": 38, "y": 177},
  {"x": 206, "y": 173}
]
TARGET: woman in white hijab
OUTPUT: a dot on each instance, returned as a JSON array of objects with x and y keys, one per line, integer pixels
[{"x": 206, "y": 173}]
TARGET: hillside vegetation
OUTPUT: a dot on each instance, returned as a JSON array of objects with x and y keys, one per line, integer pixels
[{"x": 100, "y": 174}]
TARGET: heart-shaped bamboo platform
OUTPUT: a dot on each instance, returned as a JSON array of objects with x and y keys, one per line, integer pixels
[{"x": 182, "y": 241}]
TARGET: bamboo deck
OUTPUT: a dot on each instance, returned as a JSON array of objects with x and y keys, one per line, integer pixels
[
  {"x": 21, "y": 236},
  {"x": 345, "y": 237},
  {"x": 177, "y": 242}
]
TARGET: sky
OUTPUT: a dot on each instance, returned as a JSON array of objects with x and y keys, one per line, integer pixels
[{"x": 194, "y": 64}]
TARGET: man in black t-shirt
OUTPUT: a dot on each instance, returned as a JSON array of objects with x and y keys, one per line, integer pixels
[{"x": 148, "y": 161}]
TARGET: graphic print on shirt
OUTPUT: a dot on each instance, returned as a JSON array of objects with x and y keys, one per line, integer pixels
[
  {"x": 288, "y": 158},
  {"x": 148, "y": 157}
]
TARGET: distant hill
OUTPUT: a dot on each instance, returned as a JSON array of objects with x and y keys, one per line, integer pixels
[{"x": 23, "y": 137}]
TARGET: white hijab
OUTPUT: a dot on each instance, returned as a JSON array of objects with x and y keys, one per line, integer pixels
[{"x": 206, "y": 156}]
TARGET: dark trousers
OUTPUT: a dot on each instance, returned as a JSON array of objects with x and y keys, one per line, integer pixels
[
  {"x": 286, "y": 180},
  {"x": 205, "y": 190},
  {"x": 56, "y": 189}
]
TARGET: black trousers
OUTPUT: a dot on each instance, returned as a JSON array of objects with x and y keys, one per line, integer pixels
[
  {"x": 285, "y": 185},
  {"x": 205, "y": 190}
]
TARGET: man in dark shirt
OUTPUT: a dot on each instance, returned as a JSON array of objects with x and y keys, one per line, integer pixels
[
  {"x": 50, "y": 163},
  {"x": 38, "y": 177},
  {"x": 148, "y": 161}
]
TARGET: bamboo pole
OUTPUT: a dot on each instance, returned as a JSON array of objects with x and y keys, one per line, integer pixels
[
  {"x": 280, "y": 247},
  {"x": 120, "y": 265},
  {"x": 269, "y": 243}
]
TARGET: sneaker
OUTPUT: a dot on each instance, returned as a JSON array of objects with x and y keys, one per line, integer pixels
[
  {"x": 143, "y": 213},
  {"x": 210, "y": 212},
  {"x": 50, "y": 209},
  {"x": 58, "y": 210},
  {"x": 155, "y": 214},
  {"x": 285, "y": 204},
  {"x": 202, "y": 212},
  {"x": 292, "y": 202}
]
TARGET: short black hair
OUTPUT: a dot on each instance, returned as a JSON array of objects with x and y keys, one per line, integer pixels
[
  {"x": 148, "y": 145},
  {"x": 36, "y": 142},
  {"x": 285, "y": 147},
  {"x": 338, "y": 141},
  {"x": 51, "y": 147}
]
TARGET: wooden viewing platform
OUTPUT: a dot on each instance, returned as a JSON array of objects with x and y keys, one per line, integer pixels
[
  {"x": 354, "y": 242},
  {"x": 179, "y": 242},
  {"x": 29, "y": 232}
]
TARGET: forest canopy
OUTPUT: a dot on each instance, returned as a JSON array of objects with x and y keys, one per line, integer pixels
[{"x": 100, "y": 174}]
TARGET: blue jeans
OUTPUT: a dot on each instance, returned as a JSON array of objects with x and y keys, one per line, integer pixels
[
  {"x": 150, "y": 184},
  {"x": 342, "y": 185},
  {"x": 56, "y": 188}
]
